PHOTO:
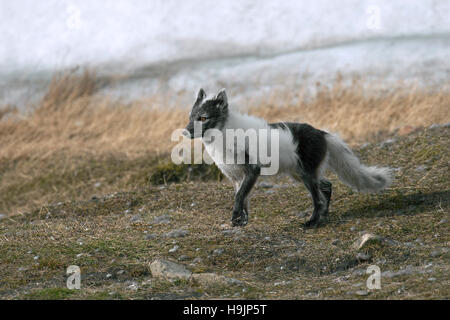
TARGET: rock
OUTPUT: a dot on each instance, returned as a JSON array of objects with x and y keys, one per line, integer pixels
[
  {"x": 366, "y": 239},
  {"x": 218, "y": 251},
  {"x": 209, "y": 279},
  {"x": 434, "y": 126},
  {"x": 133, "y": 286},
  {"x": 363, "y": 256},
  {"x": 303, "y": 213},
  {"x": 435, "y": 253},
  {"x": 120, "y": 272},
  {"x": 136, "y": 218},
  {"x": 2, "y": 216},
  {"x": 335, "y": 242},
  {"x": 169, "y": 270},
  {"x": 265, "y": 185},
  {"x": 163, "y": 219},
  {"x": 443, "y": 221},
  {"x": 431, "y": 279},
  {"x": 387, "y": 143},
  {"x": 364, "y": 145},
  {"x": 174, "y": 249},
  {"x": 183, "y": 258},
  {"x": 392, "y": 274},
  {"x": 176, "y": 233},
  {"x": 150, "y": 236},
  {"x": 361, "y": 293},
  {"x": 97, "y": 184},
  {"x": 197, "y": 260},
  {"x": 421, "y": 168}
]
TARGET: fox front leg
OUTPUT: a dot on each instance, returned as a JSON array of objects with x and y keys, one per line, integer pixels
[{"x": 240, "y": 209}]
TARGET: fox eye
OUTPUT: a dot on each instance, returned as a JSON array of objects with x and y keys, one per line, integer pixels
[{"x": 202, "y": 119}]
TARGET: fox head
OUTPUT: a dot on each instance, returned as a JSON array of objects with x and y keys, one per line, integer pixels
[{"x": 207, "y": 113}]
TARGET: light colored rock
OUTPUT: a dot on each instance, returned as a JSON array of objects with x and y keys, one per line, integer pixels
[
  {"x": 361, "y": 293},
  {"x": 136, "y": 218},
  {"x": 360, "y": 256},
  {"x": 366, "y": 239},
  {"x": 169, "y": 270},
  {"x": 265, "y": 185},
  {"x": 176, "y": 233},
  {"x": 163, "y": 219}
]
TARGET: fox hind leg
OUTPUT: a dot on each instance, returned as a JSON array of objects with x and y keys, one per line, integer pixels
[{"x": 325, "y": 187}]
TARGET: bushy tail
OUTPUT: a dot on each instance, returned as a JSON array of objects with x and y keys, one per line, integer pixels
[{"x": 351, "y": 171}]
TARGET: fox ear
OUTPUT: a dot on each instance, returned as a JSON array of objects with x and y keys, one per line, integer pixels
[
  {"x": 221, "y": 97},
  {"x": 201, "y": 94}
]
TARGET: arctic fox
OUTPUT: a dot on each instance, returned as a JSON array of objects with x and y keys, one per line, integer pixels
[{"x": 303, "y": 152}]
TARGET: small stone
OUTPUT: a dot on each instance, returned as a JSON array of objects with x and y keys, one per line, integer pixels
[
  {"x": 335, "y": 242},
  {"x": 169, "y": 270},
  {"x": 133, "y": 286},
  {"x": 387, "y": 143},
  {"x": 197, "y": 260},
  {"x": 150, "y": 236},
  {"x": 176, "y": 233},
  {"x": 218, "y": 251},
  {"x": 36, "y": 258},
  {"x": 120, "y": 272},
  {"x": 353, "y": 228},
  {"x": 364, "y": 145},
  {"x": 183, "y": 258},
  {"x": 303, "y": 213},
  {"x": 163, "y": 219},
  {"x": 359, "y": 272},
  {"x": 136, "y": 218},
  {"x": 265, "y": 185},
  {"x": 443, "y": 221},
  {"x": 431, "y": 279},
  {"x": 108, "y": 275},
  {"x": 361, "y": 293},
  {"x": 435, "y": 253},
  {"x": 174, "y": 249},
  {"x": 434, "y": 126},
  {"x": 2, "y": 216},
  {"x": 421, "y": 168},
  {"x": 366, "y": 239},
  {"x": 97, "y": 184},
  {"x": 363, "y": 256}
]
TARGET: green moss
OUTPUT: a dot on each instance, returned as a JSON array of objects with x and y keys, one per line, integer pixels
[
  {"x": 50, "y": 294},
  {"x": 170, "y": 172}
]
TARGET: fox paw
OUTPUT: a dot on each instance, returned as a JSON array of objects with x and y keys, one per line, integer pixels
[{"x": 239, "y": 219}]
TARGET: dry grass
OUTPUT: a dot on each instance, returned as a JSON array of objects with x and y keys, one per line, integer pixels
[{"x": 72, "y": 119}]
